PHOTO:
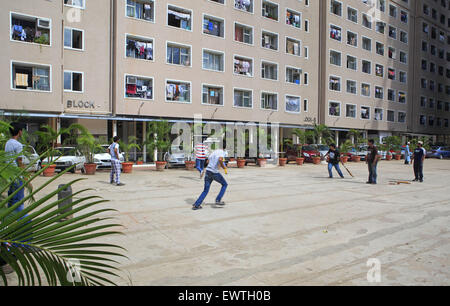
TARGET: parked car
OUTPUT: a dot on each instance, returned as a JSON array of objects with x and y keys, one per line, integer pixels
[
  {"x": 176, "y": 157},
  {"x": 308, "y": 152},
  {"x": 440, "y": 152},
  {"x": 30, "y": 157},
  {"x": 323, "y": 149},
  {"x": 67, "y": 157},
  {"x": 103, "y": 159}
]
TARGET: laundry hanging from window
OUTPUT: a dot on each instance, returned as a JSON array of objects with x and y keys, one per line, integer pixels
[
  {"x": 177, "y": 92},
  {"x": 139, "y": 49},
  {"x": 242, "y": 67}
]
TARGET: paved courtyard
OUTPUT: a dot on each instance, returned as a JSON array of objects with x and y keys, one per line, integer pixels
[{"x": 283, "y": 226}]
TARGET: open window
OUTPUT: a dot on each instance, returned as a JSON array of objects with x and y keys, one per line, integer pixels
[
  {"x": 293, "y": 75},
  {"x": 30, "y": 29},
  {"x": 139, "y": 48},
  {"x": 212, "y": 95},
  {"x": 178, "y": 91},
  {"x": 138, "y": 87},
  {"x": 141, "y": 9},
  {"x": 73, "y": 39},
  {"x": 269, "y": 40},
  {"x": 293, "y": 104},
  {"x": 179, "y": 18},
  {"x": 269, "y": 101},
  {"x": 73, "y": 81},
  {"x": 269, "y": 71},
  {"x": 270, "y": 10},
  {"x": 213, "y": 26},
  {"x": 243, "y": 33},
  {"x": 244, "y": 5},
  {"x": 243, "y": 66},
  {"x": 178, "y": 54},
  {"x": 30, "y": 77},
  {"x": 293, "y": 18},
  {"x": 293, "y": 46}
]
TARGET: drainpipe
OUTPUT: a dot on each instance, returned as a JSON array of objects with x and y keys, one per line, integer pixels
[{"x": 112, "y": 58}]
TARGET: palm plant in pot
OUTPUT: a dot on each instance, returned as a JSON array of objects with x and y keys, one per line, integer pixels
[
  {"x": 263, "y": 135},
  {"x": 346, "y": 147},
  {"x": 158, "y": 139},
  {"x": 303, "y": 136},
  {"x": 282, "y": 161},
  {"x": 241, "y": 161},
  {"x": 127, "y": 166},
  {"x": 88, "y": 145}
]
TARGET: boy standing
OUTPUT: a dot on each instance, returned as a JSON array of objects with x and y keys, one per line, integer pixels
[
  {"x": 212, "y": 174},
  {"x": 333, "y": 161},
  {"x": 113, "y": 150},
  {"x": 419, "y": 157},
  {"x": 372, "y": 162}
]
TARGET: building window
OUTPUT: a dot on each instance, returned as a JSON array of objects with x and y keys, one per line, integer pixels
[
  {"x": 350, "y": 111},
  {"x": 379, "y": 92},
  {"x": 335, "y": 58},
  {"x": 392, "y": 53},
  {"x": 243, "y": 34},
  {"x": 293, "y": 18},
  {"x": 367, "y": 21},
  {"x": 352, "y": 14},
  {"x": 366, "y": 67},
  {"x": 334, "y": 83},
  {"x": 244, "y": 5},
  {"x": 365, "y": 90},
  {"x": 422, "y": 120},
  {"x": 73, "y": 39},
  {"x": 30, "y": 29},
  {"x": 352, "y": 62},
  {"x": 380, "y": 27},
  {"x": 270, "y": 10},
  {"x": 293, "y": 46},
  {"x": 380, "y": 48},
  {"x": 351, "y": 87},
  {"x": 73, "y": 81},
  {"x": 138, "y": 87},
  {"x": 391, "y": 95},
  {"x": 139, "y": 48},
  {"x": 178, "y": 55},
  {"x": 293, "y": 104},
  {"x": 379, "y": 70},
  {"x": 213, "y": 60},
  {"x": 367, "y": 44},
  {"x": 269, "y": 40},
  {"x": 402, "y": 77},
  {"x": 293, "y": 75},
  {"x": 179, "y": 18},
  {"x": 335, "y": 33},
  {"x": 212, "y": 95},
  {"x": 403, "y": 57},
  {"x": 269, "y": 101},
  {"x": 178, "y": 91},
  {"x": 365, "y": 112},
  {"x": 391, "y": 74},
  {"x": 243, "y": 98},
  {"x": 403, "y": 37},
  {"x": 336, "y": 7},
  {"x": 334, "y": 109},
  {"x": 378, "y": 116},
  {"x": 269, "y": 71},
  {"x": 390, "y": 116},
  {"x": 144, "y": 9},
  {"x": 352, "y": 39},
  {"x": 213, "y": 26},
  {"x": 31, "y": 77},
  {"x": 401, "y": 97},
  {"x": 392, "y": 32},
  {"x": 243, "y": 66},
  {"x": 75, "y": 3}
]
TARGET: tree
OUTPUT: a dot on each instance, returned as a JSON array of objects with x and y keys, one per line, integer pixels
[
  {"x": 127, "y": 147},
  {"x": 158, "y": 138},
  {"x": 321, "y": 131}
]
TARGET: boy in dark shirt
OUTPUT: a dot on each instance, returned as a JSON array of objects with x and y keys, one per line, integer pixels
[
  {"x": 372, "y": 162},
  {"x": 419, "y": 157},
  {"x": 333, "y": 160}
]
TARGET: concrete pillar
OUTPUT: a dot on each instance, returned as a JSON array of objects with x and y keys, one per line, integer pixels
[
  {"x": 336, "y": 137},
  {"x": 114, "y": 128},
  {"x": 58, "y": 128},
  {"x": 155, "y": 153}
]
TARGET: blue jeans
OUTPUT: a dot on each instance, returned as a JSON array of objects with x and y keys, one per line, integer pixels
[
  {"x": 18, "y": 197},
  {"x": 418, "y": 170},
  {"x": 336, "y": 166},
  {"x": 373, "y": 173},
  {"x": 200, "y": 164},
  {"x": 209, "y": 178}
]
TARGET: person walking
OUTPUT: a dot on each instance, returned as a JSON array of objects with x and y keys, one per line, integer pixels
[
  {"x": 334, "y": 157},
  {"x": 407, "y": 154},
  {"x": 212, "y": 174},
  {"x": 372, "y": 162},
  {"x": 201, "y": 152},
  {"x": 113, "y": 150},
  {"x": 419, "y": 157}
]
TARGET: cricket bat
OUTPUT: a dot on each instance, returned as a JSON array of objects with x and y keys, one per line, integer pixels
[{"x": 347, "y": 170}]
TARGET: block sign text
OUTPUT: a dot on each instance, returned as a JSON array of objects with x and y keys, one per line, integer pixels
[{"x": 80, "y": 104}]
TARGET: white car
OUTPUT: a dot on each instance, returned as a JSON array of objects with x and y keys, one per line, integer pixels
[
  {"x": 103, "y": 159},
  {"x": 66, "y": 157},
  {"x": 31, "y": 157}
]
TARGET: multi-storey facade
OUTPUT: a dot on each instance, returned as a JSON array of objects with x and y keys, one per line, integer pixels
[
  {"x": 366, "y": 57},
  {"x": 114, "y": 64},
  {"x": 430, "y": 109}
]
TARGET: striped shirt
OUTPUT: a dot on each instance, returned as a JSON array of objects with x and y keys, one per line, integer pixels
[{"x": 200, "y": 151}]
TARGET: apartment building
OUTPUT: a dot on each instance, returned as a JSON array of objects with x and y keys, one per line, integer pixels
[
  {"x": 430, "y": 107},
  {"x": 365, "y": 73}
]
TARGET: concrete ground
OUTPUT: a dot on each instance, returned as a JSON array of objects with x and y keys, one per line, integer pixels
[{"x": 283, "y": 226}]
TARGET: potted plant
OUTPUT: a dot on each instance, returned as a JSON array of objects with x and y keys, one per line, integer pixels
[
  {"x": 47, "y": 143},
  {"x": 127, "y": 166},
  {"x": 345, "y": 149},
  {"x": 241, "y": 160},
  {"x": 282, "y": 161},
  {"x": 262, "y": 161},
  {"x": 158, "y": 139},
  {"x": 303, "y": 136},
  {"x": 139, "y": 161},
  {"x": 88, "y": 145}
]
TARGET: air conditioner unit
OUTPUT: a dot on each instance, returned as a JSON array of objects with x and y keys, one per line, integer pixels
[
  {"x": 43, "y": 23},
  {"x": 131, "y": 80}
]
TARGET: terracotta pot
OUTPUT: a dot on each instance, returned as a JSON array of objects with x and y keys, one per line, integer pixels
[
  {"x": 90, "y": 169},
  {"x": 388, "y": 157},
  {"x": 139, "y": 162},
  {"x": 241, "y": 163},
  {"x": 127, "y": 167},
  {"x": 50, "y": 171},
  {"x": 398, "y": 156},
  {"x": 160, "y": 166},
  {"x": 316, "y": 160},
  {"x": 282, "y": 161},
  {"x": 299, "y": 161},
  {"x": 356, "y": 158},
  {"x": 344, "y": 159},
  {"x": 262, "y": 162},
  {"x": 190, "y": 164}
]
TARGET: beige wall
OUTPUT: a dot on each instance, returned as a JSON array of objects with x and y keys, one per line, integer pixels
[{"x": 161, "y": 71}]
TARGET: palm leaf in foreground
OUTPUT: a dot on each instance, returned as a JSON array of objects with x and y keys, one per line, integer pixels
[{"x": 40, "y": 244}]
